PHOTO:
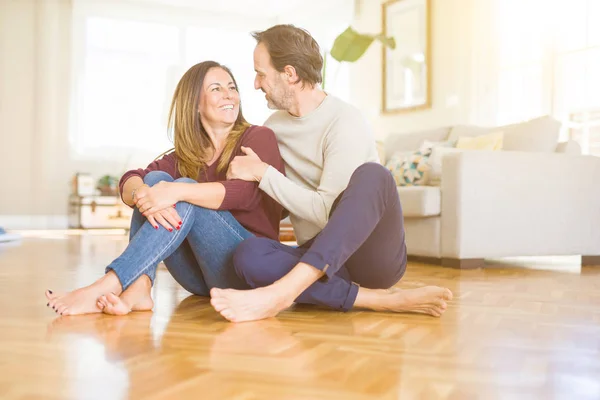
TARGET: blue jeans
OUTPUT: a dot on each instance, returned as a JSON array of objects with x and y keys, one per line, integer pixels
[{"x": 199, "y": 255}]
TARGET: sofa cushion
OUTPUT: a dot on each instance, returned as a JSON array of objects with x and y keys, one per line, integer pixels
[
  {"x": 411, "y": 168},
  {"x": 395, "y": 142},
  {"x": 489, "y": 141},
  {"x": 420, "y": 201},
  {"x": 569, "y": 147},
  {"x": 536, "y": 135},
  {"x": 381, "y": 152}
]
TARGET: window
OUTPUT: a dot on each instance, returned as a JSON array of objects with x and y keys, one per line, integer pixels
[
  {"x": 576, "y": 98},
  {"x": 127, "y": 68},
  {"x": 521, "y": 54},
  {"x": 549, "y": 63},
  {"x": 126, "y": 84},
  {"x": 129, "y": 58}
]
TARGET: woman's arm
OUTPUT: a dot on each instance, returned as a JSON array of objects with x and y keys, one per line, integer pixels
[
  {"x": 224, "y": 195},
  {"x": 131, "y": 184},
  {"x": 207, "y": 195},
  {"x": 166, "y": 164}
]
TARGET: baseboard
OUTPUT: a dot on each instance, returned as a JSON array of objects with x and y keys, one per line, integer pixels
[
  {"x": 34, "y": 221},
  {"x": 425, "y": 260}
]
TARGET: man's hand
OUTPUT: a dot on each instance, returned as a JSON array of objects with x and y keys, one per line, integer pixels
[{"x": 247, "y": 168}]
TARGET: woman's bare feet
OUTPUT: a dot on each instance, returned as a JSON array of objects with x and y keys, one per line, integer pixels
[
  {"x": 84, "y": 300},
  {"x": 427, "y": 300},
  {"x": 248, "y": 305},
  {"x": 137, "y": 297}
]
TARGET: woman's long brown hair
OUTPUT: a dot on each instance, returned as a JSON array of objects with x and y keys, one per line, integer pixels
[{"x": 193, "y": 146}]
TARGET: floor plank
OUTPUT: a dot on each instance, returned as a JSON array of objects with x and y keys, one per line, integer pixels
[{"x": 515, "y": 330}]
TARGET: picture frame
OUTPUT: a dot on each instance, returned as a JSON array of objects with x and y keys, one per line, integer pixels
[{"x": 406, "y": 70}]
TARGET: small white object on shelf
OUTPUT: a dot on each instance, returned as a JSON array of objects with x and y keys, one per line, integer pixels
[{"x": 98, "y": 212}]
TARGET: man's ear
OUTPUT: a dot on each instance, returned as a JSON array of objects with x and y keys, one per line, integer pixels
[{"x": 290, "y": 74}]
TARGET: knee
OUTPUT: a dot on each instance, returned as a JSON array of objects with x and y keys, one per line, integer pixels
[
  {"x": 153, "y": 177},
  {"x": 247, "y": 256},
  {"x": 185, "y": 180},
  {"x": 374, "y": 173}
]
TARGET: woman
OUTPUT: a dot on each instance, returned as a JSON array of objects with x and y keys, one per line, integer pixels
[{"x": 187, "y": 213}]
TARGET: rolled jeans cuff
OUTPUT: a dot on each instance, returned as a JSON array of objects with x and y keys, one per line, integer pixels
[
  {"x": 351, "y": 298},
  {"x": 316, "y": 260}
]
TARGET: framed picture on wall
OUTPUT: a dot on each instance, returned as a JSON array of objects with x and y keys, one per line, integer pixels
[{"x": 406, "y": 74}]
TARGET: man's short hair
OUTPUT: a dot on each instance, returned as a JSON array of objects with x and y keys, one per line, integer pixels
[{"x": 289, "y": 45}]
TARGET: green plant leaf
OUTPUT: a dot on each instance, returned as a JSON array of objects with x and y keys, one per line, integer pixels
[
  {"x": 387, "y": 41},
  {"x": 351, "y": 45}
]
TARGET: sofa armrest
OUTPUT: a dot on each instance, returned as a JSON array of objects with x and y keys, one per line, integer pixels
[
  {"x": 569, "y": 147},
  {"x": 500, "y": 204}
]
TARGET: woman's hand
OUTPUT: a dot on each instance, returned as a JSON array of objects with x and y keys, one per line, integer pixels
[
  {"x": 156, "y": 198},
  {"x": 168, "y": 218}
]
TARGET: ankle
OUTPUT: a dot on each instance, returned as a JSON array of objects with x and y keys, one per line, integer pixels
[
  {"x": 283, "y": 294},
  {"x": 145, "y": 281},
  {"x": 110, "y": 281}
]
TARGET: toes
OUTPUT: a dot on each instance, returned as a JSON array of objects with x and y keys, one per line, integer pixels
[
  {"x": 108, "y": 309},
  {"x": 438, "y": 311},
  {"x": 441, "y": 304},
  {"x": 111, "y": 297},
  {"x": 49, "y": 294},
  {"x": 448, "y": 295},
  {"x": 100, "y": 305},
  {"x": 218, "y": 304},
  {"x": 228, "y": 314}
]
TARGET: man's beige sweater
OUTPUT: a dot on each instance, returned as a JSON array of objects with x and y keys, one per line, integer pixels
[{"x": 321, "y": 151}]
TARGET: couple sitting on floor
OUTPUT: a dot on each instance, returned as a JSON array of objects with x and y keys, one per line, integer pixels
[{"x": 211, "y": 209}]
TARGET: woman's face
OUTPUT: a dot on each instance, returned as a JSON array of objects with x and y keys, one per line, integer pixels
[{"x": 219, "y": 99}]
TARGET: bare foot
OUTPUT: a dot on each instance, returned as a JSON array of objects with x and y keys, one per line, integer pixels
[
  {"x": 137, "y": 297},
  {"x": 427, "y": 300},
  {"x": 248, "y": 305},
  {"x": 84, "y": 300}
]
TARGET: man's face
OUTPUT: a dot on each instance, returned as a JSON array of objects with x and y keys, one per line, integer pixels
[{"x": 272, "y": 82}]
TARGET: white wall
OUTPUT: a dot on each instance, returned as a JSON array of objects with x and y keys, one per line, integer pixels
[
  {"x": 458, "y": 52},
  {"x": 34, "y": 49},
  {"x": 17, "y": 89}
]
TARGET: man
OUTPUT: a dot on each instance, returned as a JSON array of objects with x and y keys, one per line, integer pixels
[{"x": 344, "y": 207}]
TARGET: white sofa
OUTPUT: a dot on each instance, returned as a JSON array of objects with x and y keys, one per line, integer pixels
[{"x": 535, "y": 197}]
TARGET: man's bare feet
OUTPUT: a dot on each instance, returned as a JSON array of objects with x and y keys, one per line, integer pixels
[
  {"x": 266, "y": 302},
  {"x": 248, "y": 305},
  {"x": 84, "y": 300},
  {"x": 137, "y": 297},
  {"x": 427, "y": 300}
]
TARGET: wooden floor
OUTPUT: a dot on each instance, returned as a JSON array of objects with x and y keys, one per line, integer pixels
[{"x": 513, "y": 332}]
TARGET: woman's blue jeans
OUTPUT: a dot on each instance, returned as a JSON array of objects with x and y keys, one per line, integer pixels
[{"x": 199, "y": 255}]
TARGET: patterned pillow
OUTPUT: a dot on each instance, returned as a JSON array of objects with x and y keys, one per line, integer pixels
[{"x": 410, "y": 168}]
